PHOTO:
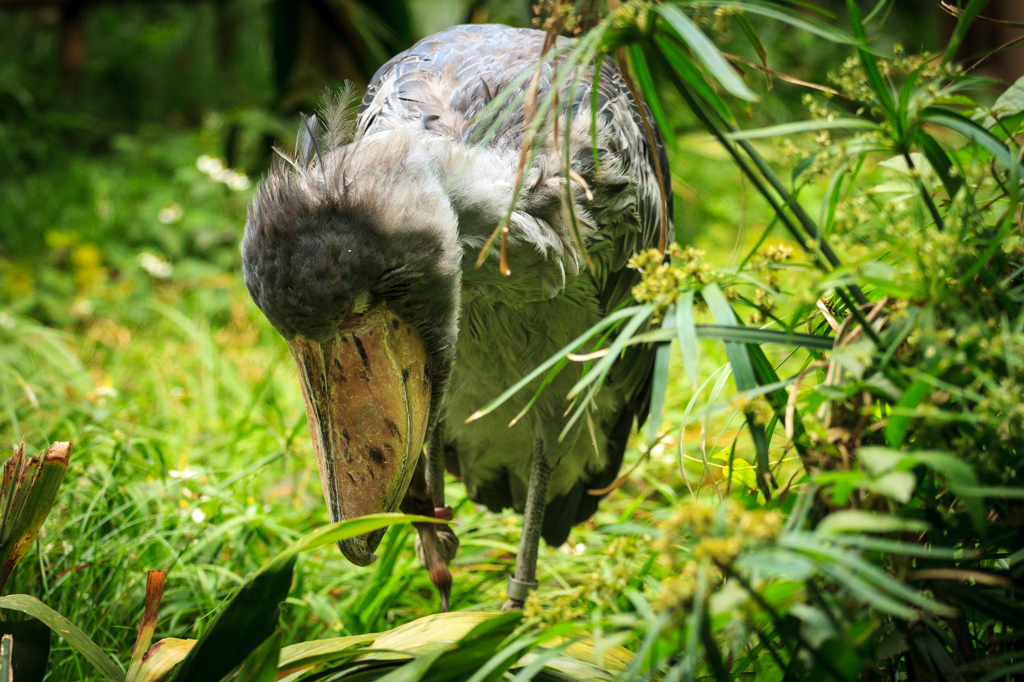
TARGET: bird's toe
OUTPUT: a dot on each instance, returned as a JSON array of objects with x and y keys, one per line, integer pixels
[{"x": 512, "y": 605}]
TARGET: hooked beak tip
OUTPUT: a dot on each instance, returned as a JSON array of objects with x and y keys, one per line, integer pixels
[{"x": 360, "y": 550}]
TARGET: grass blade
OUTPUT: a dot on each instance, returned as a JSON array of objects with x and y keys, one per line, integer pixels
[
  {"x": 686, "y": 332},
  {"x": 658, "y": 388}
]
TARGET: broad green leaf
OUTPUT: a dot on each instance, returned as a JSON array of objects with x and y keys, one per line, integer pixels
[
  {"x": 447, "y": 627},
  {"x": 261, "y": 664},
  {"x": 162, "y": 658},
  {"x": 1010, "y": 103},
  {"x": 879, "y": 461},
  {"x": 251, "y": 616},
  {"x": 67, "y": 630},
  {"x": 305, "y": 654},
  {"x": 860, "y": 521},
  {"x": 706, "y": 52}
]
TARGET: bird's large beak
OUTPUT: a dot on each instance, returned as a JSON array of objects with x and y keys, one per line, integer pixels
[{"x": 367, "y": 400}]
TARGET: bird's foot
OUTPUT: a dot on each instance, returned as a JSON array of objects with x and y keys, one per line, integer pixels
[{"x": 512, "y": 605}]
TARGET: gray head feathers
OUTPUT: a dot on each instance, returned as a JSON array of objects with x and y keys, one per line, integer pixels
[{"x": 343, "y": 216}]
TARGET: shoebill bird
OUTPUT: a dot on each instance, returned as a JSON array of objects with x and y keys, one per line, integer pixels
[{"x": 361, "y": 250}]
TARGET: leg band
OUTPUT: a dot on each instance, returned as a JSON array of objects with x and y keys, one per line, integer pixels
[{"x": 519, "y": 590}]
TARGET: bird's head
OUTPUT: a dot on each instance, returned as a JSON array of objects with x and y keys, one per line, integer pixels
[{"x": 360, "y": 275}]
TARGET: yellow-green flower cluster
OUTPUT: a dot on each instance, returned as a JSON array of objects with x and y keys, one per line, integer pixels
[
  {"x": 715, "y": 537},
  {"x": 720, "y": 533},
  {"x": 615, "y": 573},
  {"x": 662, "y": 282}
]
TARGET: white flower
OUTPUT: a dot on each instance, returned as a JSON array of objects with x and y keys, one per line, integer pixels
[
  {"x": 186, "y": 474},
  {"x": 155, "y": 265},
  {"x": 209, "y": 164},
  {"x": 237, "y": 181},
  {"x": 198, "y": 516},
  {"x": 218, "y": 172},
  {"x": 170, "y": 214}
]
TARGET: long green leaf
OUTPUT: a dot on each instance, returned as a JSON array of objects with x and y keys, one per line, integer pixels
[
  {"x": 867, "y": 59},
  {"x": 973, "y": 132},
  {"x": 675, "y": 59},
  {"x": 745, "y": 335},
  {"x": 746, "y": 380},
  {"x": 67, "y": 630},
  {"x": 658, "y": 388},
  {"x": 789, "y": 129},
  {"x": 638, "y": 62},
  {"x": 963, "y": 23},
  {"x": 687, "y": 334},
  {"x": 792, "y": 18},
  {"x": 706, "y": 52}
]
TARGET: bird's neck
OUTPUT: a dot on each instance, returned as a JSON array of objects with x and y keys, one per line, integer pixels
[
  {"x": 466, "y": 192},
  {"x": 424, "y": 168}
]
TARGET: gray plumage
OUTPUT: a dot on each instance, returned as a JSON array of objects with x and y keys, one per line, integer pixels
[{"x": 400, "y": 213}]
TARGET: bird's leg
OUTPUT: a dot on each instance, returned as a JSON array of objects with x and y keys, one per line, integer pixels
[
  {"x": 417, "y": 501},
  {"x": 448, "y": 541},
  {"x": 524, "y": 580}
]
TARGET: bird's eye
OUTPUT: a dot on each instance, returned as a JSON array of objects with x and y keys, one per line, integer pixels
[{"x": 361, "y": 303}]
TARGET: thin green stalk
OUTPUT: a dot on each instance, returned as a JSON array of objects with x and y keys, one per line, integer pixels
[{"x": 924, "y": 193}]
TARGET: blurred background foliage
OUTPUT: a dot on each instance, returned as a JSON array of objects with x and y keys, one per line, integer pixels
[{"x": 131, "y": 137}]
